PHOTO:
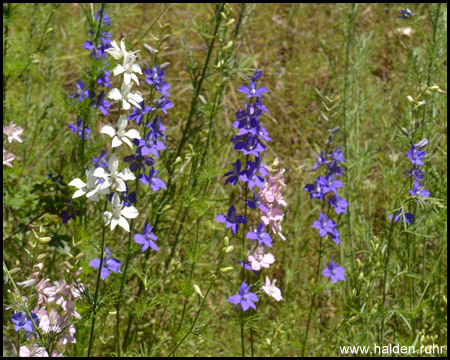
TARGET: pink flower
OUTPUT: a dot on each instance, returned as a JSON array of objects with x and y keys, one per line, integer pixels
[
  {"x": 7, "y": 158},
  {"x": 33, "y": 351},
  {"x": 271, "y": 289},
  {"x": 70, "y": 308},
  {"x": 57, "y": 292},
  {"x": 258, "y": 259},
  {"x": 13, "y": 132}
]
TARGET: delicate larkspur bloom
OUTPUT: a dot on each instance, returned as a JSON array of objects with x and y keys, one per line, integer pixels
[
  {"x": 259, "y": 259},
  {"x": 147, "y": 238},
  {"x": 271, "y": 290},
  {"x": 127, "y": 96},
  {"x": 69, "y": 213},
  {"x": 104, "y": 79},
  {"x": 163, "y": 104},
  {"x": 329, "y": 184},
  {"x": 315, "y": 191},
  {"x": 7, "y": 158},
  {"x": 151, "y": 145},
  {"x": 114, "y": 177},
  {"x": 339, "y": 204},
  {"x": 101, "y": 160},
  {"x": 91, "y": 188},
  {"x": 69, "y": 307},
  {"x": 250, "y": 176},
  {"x": 335, "y": 169},
  {"x": 231, "y": 220},
  {"x": 324, "y": 225},
  {"x": 163, "y": 87},
  {"x": 245, "y": 298},
  {"x": 406, "y": 14},
  {"x": 109, "y": 264},
  {"x": 256, "y": 202},
  {"x": 262, "y": 133},
  {"x": 415, "y": 155},
  {"x": 102, "y": 103},
  {"x": 34, "y": 350},
  {"x": 252, "y": 90},
  {"x": 154, "y": 76},
  {"x": 421, "y": 144},
  {"x": 321, "y": 160},
  {"x": 128, "y": 69},
  {"x": 81, "y": 93},
  {"x": 138, "y": 113},
  {"x": 403, "y": 216},
  {"x": 60, "y": 324},
  {"x": 250, "y": 146},
  {"x": 23, "y": 321},
  {"x": 259, "y": 164},
  {"x": 13, "y": 132},
  {"x": 418, "y": 191},
  {"x": 119, "y": 53},
  {"x": 157, "y": 127},
  {"x": 154, "y": 182},
  {"x": 79, "y": 129},
  {"x": 246, "y": 265},
  {"x": 137, "y": 161},
  {"x": 335, "y": 272},
  {"x": 233, "y": 175},
  {"x": 125, "y": 196},
  {"x": 416, "y": 173},
  {"x": 337, "y": 155},
  {"x": 119, "y": 136},
  {"x": 260, "y": 235},
  {"x": 119, "y": 214}
]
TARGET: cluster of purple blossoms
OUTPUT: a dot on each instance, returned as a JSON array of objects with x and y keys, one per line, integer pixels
[
  {"x": 329, "y": 184},
  {"x": 147, "y": 148},
  {"x": 97, "y": 47},
  {"x": 250, "y": 171},
  {"x": 415, "y": 155}
]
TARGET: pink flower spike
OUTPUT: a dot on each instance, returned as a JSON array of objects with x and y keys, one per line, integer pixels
[
  {"x": 272, "y": 290},
  {"x": 13, "y": 132},
  {"x": 258, "y": 259}
]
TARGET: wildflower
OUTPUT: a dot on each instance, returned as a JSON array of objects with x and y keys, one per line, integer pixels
[
  {"x": 127, "y": 96},
  {"x": 101, "y": 161},
  {"x": 137, "y": 161},
  {"x": 260, "y": 235},
  {"x": 127, "y": 198},
  {"x": 109, "y": 264},
  {"x": 259, "y": 259},
  {"x": 7, "y": 158},
  {"x": 69, "y": 307},
  {"x": 329, "y": 184},
  {"x": 321, "y": 160},
  {"x": 119, "y": 53},
  {"x": 69, "y": 213},
  {"x": 416, "y": 156},
  {"x": 34, "y": 350},
  {"x": 154, "y": 182},
  {"x": 114, "y": 177},
  {"x": 337, "y": 155},
  {"x": 151, "y": 145},
  {"x": 324, "y": 225},
  {"x": 23, "y": 321},
  {"x": 104, "y": 79},
  {"x": 79, "y": 129},
  {"x": 271, "y": 289},
  {"x": 418, "y": 191},
  {"x": 82, "y": 93},
  {"x": 232, "y": 220},
  {"x": 119, "y": 214},
  {"x": 403, "y": 216},
  {"x": 138, "y": 112},
  {"x": 250, "y": 146},
  {"x": 13, "y": 132},
  {"x": 245, "y": 298},
  {"x": 339, "y": 204},
  {"x": 154, "y": 76},
  {"x": 102, "y": 103},
  {"x": 163, "y": 104},
  {"x": 259, "y": 165},
  {"x": 406, "y": 14},
  {"x": 335, "y": 272},
  {"x": 120, "y": 135},
  {"x": 129, "y": 68},
  {"x": 250, "y": 176},
  {"x": 416, "y": 173},
  {"x": 256, "y": 202},
  {"x": 91, "y": 188},
  {"x": 147, "y": 238},
  {"x": 157, "y": 127},
  {"x": 335, "y": 169},
  {"x": 233, "y": 175},
  {"x": 252, "y": 90}
]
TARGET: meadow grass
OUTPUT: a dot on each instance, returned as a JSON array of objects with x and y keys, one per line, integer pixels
[{"x": 350, "y": 66}]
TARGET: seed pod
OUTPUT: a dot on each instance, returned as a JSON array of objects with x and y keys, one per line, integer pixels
[{"x": 41, "y": 258}]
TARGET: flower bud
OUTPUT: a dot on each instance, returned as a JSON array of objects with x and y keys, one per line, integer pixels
[
  {"x": 198, "y": 291},
  {"x": 26, "y": 283},
  {"x": 38, "y": 267},
  {"x": 226, "y": 270},
  {"x": 41, "y": 258},
  {"x": 229, "y": 23},
  {"x": 79, "y": 256},
  {"x": 13, "y": 271},
  {"x": 213, "y": 279},
  {"x": 67, "y": 265},
  {"x": 226, "y": 241},
  {"x": 229, "y": 249},
  {"x": 149, "y": 49},
  {"x": 361, "y": 276}
]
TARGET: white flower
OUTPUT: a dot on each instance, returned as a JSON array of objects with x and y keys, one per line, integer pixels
[
  {"x": 128, "y": 68},
  {"x": 271, "y": 289},
  {"x": 114, "y": 177},
  {"x": 118, "y": 214},
  {"x": 13, "y": 132},
  {"x": 7, "y": 158},
  {"x": 120, "y": 135},
  {"x": 119, "y": 53},
  {"x": 127, "y": 96},
  {"x": 91, "y": 188}
]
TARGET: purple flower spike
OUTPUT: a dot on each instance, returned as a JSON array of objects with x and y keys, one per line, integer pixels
[
  {"x": 260, "y": 235},
  {"x": 324, "y": 225},
  {"x": 416, "y": 173},
  {"x": 149, "y": 146},
  {"x": 147, "y": 238},
  {"x": 79, "y": 129},
  {"x": 81, "y": 92},
  {"x": 245, "y": 298},
  {"x": 232, "y": 220},
  {"x": 315, "y": 191},
  {"x": 157, "y": 127},
  {"x": 23, "y": 321},
  {"x": 109, "y": 264},
  {"x": 335, "y": 272},
  {"x": 154, "y": 182}
]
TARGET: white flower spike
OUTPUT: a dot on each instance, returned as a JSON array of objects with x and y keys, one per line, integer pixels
[
  {"x": 114, "y": 177},
  {"x": 119, "y": 214},
  {"x": 128, "y": 69},
  {"x": 127, "y": 96},
  {"x": 119, "y": 53},
  {"x": 120, "y": 135},
  {"x": 91, "y": 189}
]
